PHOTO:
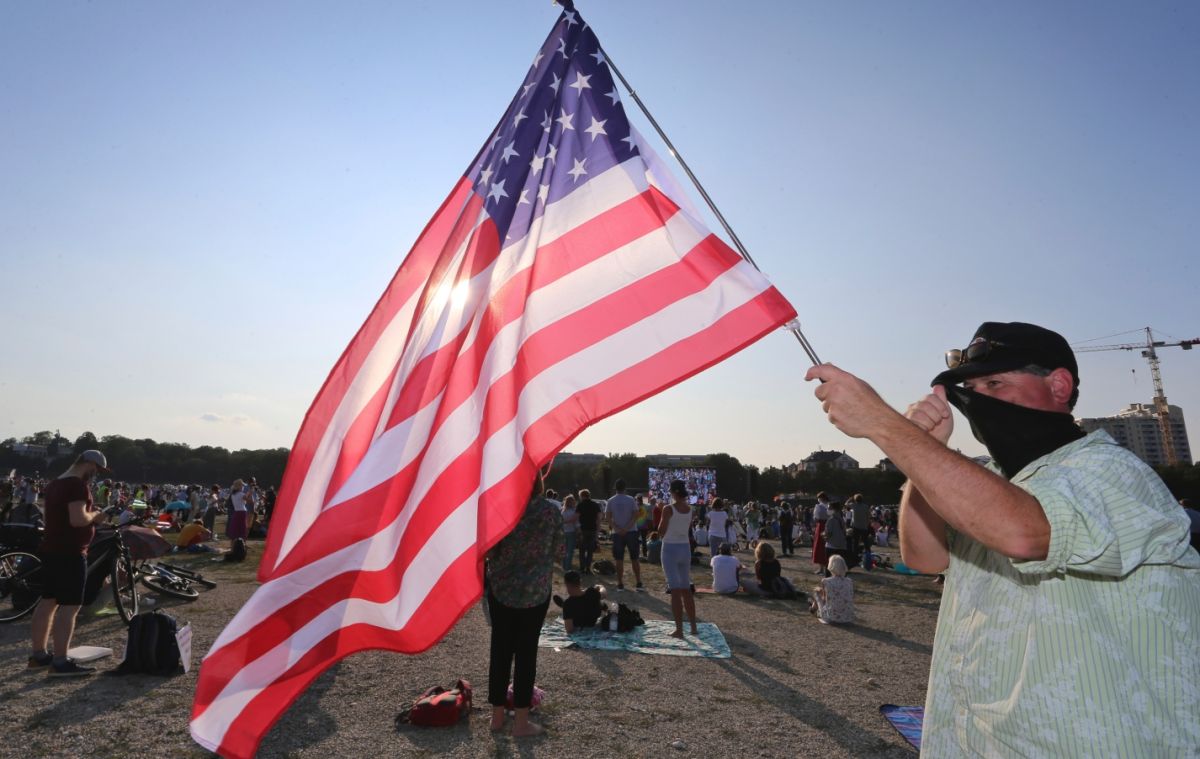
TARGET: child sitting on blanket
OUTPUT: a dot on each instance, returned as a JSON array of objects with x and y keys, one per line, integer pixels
[
  {"x": 834, "y": 598},
  {"x": 725, "y": 568},
  {"x": 770, "y": 574},
  {"x": 581, "y": 608}
]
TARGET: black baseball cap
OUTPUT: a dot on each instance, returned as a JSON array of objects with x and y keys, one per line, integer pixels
[{"x": 1007, "y": 346}]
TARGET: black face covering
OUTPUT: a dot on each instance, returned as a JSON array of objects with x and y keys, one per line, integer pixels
[{"x": 1014, "y": 435}]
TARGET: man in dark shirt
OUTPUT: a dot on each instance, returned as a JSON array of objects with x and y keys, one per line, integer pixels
[
  {"x": 786, "y": 522},
  {"x": 589, "y": 521},
  {"x": 581, "y": 608},
  {"x": 70, "y": 526}
]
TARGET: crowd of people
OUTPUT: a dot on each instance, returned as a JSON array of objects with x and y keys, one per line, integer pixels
[
  {"x": 679, "y": 534},
  {"x": 69, "y": 507},
  {"x": 169, "y": 507}
]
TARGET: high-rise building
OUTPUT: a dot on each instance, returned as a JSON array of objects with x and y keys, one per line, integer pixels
[{"x": 1136, "y": 428}]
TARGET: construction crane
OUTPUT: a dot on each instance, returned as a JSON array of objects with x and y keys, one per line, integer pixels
[{"x": 1161, "y": 409}]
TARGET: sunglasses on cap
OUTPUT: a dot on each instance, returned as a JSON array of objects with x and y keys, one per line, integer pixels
[{"x": 979, "y": 349}]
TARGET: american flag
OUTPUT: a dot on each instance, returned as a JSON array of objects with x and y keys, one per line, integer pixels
[{"x": 563, "y": 280}]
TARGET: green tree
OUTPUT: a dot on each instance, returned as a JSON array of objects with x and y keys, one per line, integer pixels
[{"x": 86, "y": 442}]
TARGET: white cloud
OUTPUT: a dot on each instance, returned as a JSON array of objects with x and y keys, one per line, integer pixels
[{"x": 234, "y": 419}]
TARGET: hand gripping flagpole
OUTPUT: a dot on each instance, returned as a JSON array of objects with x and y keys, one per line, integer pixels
[{"x": 794, "y": 325}]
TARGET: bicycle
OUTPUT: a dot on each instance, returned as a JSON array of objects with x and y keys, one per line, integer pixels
[
  {"x": 171, "y": 580},
  {"x": 108, "y": 558}
]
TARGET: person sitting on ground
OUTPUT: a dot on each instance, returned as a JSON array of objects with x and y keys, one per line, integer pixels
[
  {"x": 194, "y": 537},
  {"x": 725, "y": 569},
  {"x": 581, "y": 608},
  {"x": 833, "y": 599},
  {"x": 654, "y": 548},
  {"x": 769, "y": 573}
]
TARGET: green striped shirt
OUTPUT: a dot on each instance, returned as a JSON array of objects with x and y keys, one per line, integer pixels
[{"x": 1093, "y": 652}]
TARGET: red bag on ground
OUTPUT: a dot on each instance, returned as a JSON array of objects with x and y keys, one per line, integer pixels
[{"x": 439, "y": 707}]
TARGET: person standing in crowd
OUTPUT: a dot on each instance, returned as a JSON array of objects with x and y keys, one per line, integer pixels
[
  {"x": 718, "y": 520},
  {"x": 677, "y": 555},
  {"x": 820, "y": 516},
  {"x": 835, "y": 535},
  {"x": 212, "y": 508},
  {"x": 237, "y": 519},
  {"x": 655, "y": 518},
  {"x": 196, "y": 503},
  {"x": 786, "y": 524},
  {"x": 570, "y": 521},
  {"x": 520, "y": 578},
  {"x": 622, "y": 523},
  {"x": 644, "y": 525},
  {"x": 752, "y": 525},
  {"x": 860, "y": 525},
  {"x": 1072, "y": 598},
  {"x": 269, "y": 499},
  {"x": 70, "y": 526},
  {"x": 26, "y": 511},
  {"x": 589, "y": 524}
]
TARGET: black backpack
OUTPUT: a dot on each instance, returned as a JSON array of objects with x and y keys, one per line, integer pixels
[
  {"x": 626, "y": 618},
  {"x": 237, "y": 551},
  {"x": 151, "y": 648}
]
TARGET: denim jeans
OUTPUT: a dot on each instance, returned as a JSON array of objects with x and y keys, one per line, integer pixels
[{"x": 569, "y": 546}]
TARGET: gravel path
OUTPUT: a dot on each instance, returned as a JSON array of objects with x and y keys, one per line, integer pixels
[{"x": 794, "y": 687}]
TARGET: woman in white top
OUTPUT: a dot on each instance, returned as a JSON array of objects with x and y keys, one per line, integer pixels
[
  {"x": 718, "y": 518},
  {"x": 677, "y": 556},
  {"x": 570, "y": 530}
]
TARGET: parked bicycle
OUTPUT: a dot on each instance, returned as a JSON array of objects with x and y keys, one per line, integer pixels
[
  {"x": 171, "y": 580},
  {"x": 20, "y": 572}
]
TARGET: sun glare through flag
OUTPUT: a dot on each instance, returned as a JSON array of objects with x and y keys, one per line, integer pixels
[{"x": 561, "y": 281}]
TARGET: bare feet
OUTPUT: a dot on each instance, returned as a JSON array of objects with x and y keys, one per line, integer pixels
[
  {"x": 677, "y": 634},
  {"x": 497, "y": 719},
  {"x": 695, "y": 631},
  {"x": 527, "y": 729}
]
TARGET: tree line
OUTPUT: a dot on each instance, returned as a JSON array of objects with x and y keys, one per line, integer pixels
[{"x": 145, "y": 460}]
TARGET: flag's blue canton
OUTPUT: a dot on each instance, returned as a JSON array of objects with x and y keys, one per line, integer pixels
[{"x": 565, "y": 125}]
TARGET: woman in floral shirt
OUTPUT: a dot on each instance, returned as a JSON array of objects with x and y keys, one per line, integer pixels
[{"x": 520, "y": 574}]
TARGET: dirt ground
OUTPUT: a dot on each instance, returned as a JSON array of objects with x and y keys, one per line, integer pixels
[{"x": 793, "y": 687}]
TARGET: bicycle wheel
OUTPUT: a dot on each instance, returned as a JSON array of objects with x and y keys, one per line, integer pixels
[
  {"x": 124, "y": 587},
  {"x": 189, "y": 575},
  {"x": 20, "y": 584},
  {"x": 170, "y": 587}
]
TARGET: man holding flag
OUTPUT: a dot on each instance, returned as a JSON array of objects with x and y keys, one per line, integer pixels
[{"x": 1072, "y": 598}]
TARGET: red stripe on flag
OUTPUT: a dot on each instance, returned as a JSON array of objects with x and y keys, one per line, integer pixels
[
  {"x": 482, "y": 250},
  {"x": 360, "y": 517},
  {"x": 583, "y": 245},
  {"x": 454, "y": 590},
  {"x": 734, "y": 331},
  {"x": 453, "y": 220}
]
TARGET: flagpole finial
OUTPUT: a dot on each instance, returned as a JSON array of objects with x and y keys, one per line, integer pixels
[{"x": 567, "y": 5}]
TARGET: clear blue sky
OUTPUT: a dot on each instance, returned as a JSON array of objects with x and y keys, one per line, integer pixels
[{"x": 201, "y": 202}]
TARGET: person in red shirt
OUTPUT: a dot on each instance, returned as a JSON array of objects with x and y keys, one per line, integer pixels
[{"x": 70, "y": 526}]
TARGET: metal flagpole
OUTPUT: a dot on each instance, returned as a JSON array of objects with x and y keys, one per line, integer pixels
[{"x": 792, "y": 326}]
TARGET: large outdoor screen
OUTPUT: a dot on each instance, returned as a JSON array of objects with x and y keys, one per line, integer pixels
[{"x": 701, "y": 483}]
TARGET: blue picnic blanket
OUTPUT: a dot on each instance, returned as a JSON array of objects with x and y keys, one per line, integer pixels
[
  {"x": 654, "y": 637},
  {"x": 907, "y": 720}
]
